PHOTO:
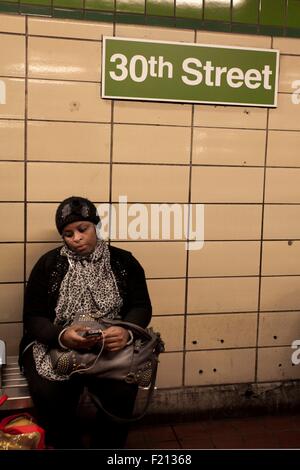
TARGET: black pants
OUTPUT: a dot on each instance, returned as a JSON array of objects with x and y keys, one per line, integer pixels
[{"x": 56, "y": 405}]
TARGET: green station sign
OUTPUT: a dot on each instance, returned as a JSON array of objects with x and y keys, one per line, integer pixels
[{"x": 135, "y": 69}]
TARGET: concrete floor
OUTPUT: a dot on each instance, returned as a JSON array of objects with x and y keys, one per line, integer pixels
[{"x": 262, "y": 432}]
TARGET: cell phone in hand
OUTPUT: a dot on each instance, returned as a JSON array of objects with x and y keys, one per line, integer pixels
[{"x": 92, "y": 332}]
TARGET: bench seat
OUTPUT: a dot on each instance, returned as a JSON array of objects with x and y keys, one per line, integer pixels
[{"x": 14, "y": 385}]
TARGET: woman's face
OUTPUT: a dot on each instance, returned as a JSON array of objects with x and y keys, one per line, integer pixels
[{"x": 80, "y": 237}]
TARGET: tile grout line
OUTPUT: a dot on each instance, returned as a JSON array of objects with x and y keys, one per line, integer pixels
[
  {"x": 187, "y": 251},
  {"x": 260, "y": 276},
  {"x": 25, "y": 152},
  {"x": 110, "y": 196}
]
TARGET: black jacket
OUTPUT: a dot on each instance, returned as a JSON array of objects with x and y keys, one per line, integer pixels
[{"x": 42, "y": 292}]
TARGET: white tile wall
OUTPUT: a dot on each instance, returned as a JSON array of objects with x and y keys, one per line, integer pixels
[{"x": 205, "y": 302}]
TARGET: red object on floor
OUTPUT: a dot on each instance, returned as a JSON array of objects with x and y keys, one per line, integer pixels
[{"x": 3, "y": 398}]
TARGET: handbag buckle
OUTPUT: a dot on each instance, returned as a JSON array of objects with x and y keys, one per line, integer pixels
[{"x": 130, "y": 378}]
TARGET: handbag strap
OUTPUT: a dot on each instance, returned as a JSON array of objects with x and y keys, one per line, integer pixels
[
  {"x": 139, "y": 330},
  {"x": 142, "y": 332},
  {"x": 139, "y": 416}
]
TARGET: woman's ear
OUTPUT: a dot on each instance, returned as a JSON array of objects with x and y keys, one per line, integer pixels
[{"x": 64, "y": 241}]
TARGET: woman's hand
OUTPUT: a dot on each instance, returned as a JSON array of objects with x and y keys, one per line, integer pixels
[
  {"x": 115, "y": 338},
  {"x": 72, "y": 339}
]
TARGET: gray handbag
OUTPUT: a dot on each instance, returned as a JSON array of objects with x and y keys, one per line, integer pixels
[{"x": 135, "y": 363}]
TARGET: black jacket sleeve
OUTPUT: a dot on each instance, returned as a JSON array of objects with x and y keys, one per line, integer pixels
[
  {"x": 37, "y": 317},
  {"x": 139, "y": 308}
]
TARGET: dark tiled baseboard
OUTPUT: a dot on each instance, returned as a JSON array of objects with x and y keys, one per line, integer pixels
[
  {"x": 223, "y": 401},
  {"x": 253, "y": 17}
]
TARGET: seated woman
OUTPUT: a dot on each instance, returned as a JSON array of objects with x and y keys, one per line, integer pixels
[{"x": 85, "y": 275}]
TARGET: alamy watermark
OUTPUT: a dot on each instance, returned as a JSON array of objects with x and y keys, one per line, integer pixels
[
  {"x": 296, "y": 354},
  {"x": 2, "y": 92},
  {"x": 296, "y": 93},
  {"x": 136, "y": 221}
]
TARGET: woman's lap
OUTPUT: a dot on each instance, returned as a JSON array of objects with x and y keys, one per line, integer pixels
[{"x": 56, "y": 404}]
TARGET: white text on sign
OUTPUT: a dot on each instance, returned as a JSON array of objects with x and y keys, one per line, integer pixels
[{"x": 139, "y": 68}]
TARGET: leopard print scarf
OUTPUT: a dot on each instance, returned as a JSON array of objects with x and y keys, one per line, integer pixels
[{"x": 88, "y": 286}]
